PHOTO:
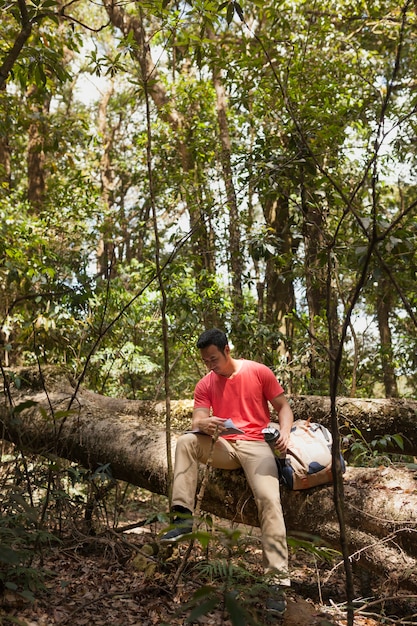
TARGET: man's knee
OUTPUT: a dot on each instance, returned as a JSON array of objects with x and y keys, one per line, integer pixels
[
  {"x": 186, "y": 439},
  {"x": 186, "y": 445}
]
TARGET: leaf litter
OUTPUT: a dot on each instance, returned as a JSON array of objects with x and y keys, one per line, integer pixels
[{"x": 115, "y": 580}]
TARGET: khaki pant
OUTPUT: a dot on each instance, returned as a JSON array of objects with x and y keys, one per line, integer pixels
[{"x": 258, "y": 463}]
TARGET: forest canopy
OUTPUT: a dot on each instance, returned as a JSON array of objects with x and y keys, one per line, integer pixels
[{"x": 168, "y": 166}]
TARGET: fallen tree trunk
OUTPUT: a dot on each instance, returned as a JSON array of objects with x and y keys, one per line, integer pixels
[
  {"x": 380, "y": 504},
  {"x": 373, "y": 417}
]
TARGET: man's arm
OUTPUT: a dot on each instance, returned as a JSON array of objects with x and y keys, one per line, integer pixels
[
  {"x": 202, "y": 420},
  {"x": 285, "y": 419}
]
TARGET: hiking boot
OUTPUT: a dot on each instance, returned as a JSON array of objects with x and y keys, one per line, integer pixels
[
  {"x": 276, "y": 603},
  {"x": 182, "y": 525}
]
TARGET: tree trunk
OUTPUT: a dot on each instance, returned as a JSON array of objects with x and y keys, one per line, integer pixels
[
  {"x": 381, "y": 504},
  {"x": 280, "y": 298},
  {"x": 316, "y": 272},
  {"x": 106, "y": 260},
  {"x": 5, "y": 161},
  {"x": 384, "y": 293},
  {"x": 373, "y": 417},
  {"x": 202, "y": 243},
  {"x": 39, "y": 107},
  {"x": 235, "y": 246},
  {"x": 13, "y": 52}
]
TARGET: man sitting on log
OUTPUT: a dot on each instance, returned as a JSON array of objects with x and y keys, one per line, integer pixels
[{"x": 238, "y": 389}]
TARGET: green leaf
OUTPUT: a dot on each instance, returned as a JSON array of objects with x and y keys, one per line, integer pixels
[
  {"x": 9, "y": 556},
  {"x": 203, "y": 609},
  {"x": 203, "y": 537},
  {"x": 11, "y": 586},
  {"x": 203, "y": 592},
  {"x": 399, "y": 441},
  {"x": 27, "y": 595},
  {"x": 23, "y": 406},
  {"x": 239, "y": 11},
  {"x": 235, "y": 610}
]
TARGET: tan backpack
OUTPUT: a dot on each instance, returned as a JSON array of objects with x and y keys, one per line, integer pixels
[{"x": 308, "y": 461}]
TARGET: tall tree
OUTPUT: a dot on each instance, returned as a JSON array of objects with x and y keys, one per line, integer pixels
[
  {"x": 134, "y": 26},
  {"x": 39, "y": 103},
  {"x": 384, "y": 300}
]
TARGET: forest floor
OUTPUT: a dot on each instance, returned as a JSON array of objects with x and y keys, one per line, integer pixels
[{"x": 129, "y": 579}]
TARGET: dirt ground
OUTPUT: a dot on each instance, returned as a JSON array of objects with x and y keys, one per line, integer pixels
[{"x": 127, "y": 579}]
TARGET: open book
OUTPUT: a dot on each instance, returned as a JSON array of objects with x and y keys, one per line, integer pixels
[{"x": 230, "y": 429}]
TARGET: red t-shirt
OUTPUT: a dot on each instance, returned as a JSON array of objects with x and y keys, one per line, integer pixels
[{"x": 243, "y": 398}]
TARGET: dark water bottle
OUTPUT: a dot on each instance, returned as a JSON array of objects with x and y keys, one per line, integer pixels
[{"x": 271, "y": 435}]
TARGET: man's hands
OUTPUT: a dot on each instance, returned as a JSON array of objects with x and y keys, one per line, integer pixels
[
  {"x": 206, "y": 423},
  {"x": 211, "y": 425},
  {"x": 281, "y": 443},
  {"x": 286, "y": 419}
]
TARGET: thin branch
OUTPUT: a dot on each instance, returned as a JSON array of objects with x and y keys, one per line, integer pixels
[{"x": 13, "y": 55}]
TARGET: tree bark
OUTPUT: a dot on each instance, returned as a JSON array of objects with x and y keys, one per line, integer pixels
[
  {"x": 39, "y": 103},
  {"x": 280, "y": 297},
  {"x": 384, "y": 307},
  {"x": 313, "y": 230},
  {"x": 13, "y": 54},
  {"x": 373, "y": 417},
  {"x": 5, "y": 161},
  {"x": 380, "y": 504},
  {"x": 235, "y": 245},
  {"x": 106, "y": 260}
]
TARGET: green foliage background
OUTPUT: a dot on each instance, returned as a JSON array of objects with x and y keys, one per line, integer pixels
[{"x": 116, "y": 202}]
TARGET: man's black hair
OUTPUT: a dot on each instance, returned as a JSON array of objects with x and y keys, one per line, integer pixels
[{"x": 212, "y": 337}]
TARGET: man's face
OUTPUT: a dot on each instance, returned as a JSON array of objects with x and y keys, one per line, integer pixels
[{"x": 215, "y": 360}]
